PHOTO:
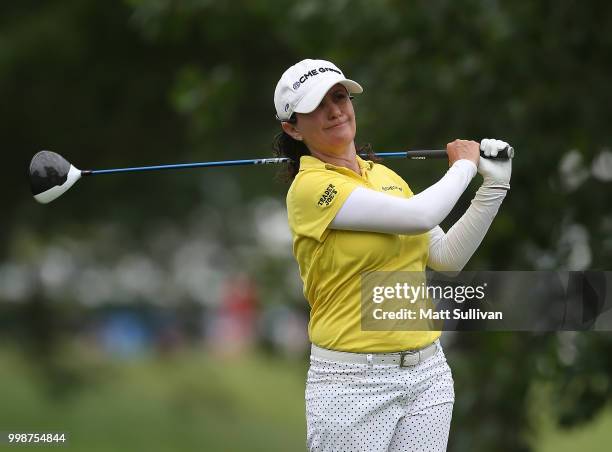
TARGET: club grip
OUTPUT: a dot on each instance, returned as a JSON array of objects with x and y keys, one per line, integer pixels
[{"x": 505, "y": 154}]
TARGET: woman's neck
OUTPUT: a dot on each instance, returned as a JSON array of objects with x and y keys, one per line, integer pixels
[{"x": 346, "y": 159}]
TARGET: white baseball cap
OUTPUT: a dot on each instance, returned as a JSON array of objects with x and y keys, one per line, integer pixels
[{"x": 303, "y": 86}]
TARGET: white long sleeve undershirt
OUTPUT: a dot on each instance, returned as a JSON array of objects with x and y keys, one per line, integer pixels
[
  {"x": 369, "y": 210},
  {"x": 451, "y": 251}
]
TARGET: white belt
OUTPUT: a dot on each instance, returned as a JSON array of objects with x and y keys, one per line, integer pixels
[{"x": 406, "y": 358}]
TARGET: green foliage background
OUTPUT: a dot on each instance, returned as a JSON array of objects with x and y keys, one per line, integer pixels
[{"x": 111, "y": 84}]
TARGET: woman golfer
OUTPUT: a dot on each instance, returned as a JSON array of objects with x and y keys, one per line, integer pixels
[{"x": 371, "y": 390}]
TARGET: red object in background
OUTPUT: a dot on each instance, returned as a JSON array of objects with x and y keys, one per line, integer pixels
[{"x": 234, "y": 326}]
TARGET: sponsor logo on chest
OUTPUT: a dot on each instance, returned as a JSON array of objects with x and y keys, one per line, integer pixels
[{"x": 391, "y": 187}]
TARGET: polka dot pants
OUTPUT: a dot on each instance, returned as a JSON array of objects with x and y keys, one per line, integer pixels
[{"x": 370, "y": 408}]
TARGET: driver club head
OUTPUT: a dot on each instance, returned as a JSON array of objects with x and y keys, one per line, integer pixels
[{"x": 51, "y": 175}]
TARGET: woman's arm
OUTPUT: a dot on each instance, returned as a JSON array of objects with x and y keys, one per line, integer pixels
[
  {"x": 369, "y": 210},
  {"x": 451, "y": 251}
]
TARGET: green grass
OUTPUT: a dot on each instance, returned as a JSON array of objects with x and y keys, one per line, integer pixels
[
  {"x": 593, "y": 437},
  {"x": 191, "y": 401},
  {"x": 186, "y": 402}
]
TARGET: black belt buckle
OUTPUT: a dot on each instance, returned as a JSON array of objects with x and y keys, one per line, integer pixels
[{"x": 410, "y": 353}]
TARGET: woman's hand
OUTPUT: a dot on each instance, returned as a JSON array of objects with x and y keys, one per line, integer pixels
[
  {"x": 496, "y": 173},
  {"x": 463, "y": 149}
]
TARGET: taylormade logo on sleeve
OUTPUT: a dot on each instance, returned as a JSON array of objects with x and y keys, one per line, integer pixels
[{"x": 313, "y": 73}]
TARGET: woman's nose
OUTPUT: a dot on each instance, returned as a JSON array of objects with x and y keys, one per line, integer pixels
[{"x": 334, "y": 110}]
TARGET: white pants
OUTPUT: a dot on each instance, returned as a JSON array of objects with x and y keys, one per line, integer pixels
[{"x": 361, "y": 407}]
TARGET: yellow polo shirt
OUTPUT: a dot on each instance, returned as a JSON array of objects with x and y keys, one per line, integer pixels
[{"x": 332, "y": 261}]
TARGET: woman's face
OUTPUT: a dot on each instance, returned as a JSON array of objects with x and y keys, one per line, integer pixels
[{"x": 330, "y": 128}]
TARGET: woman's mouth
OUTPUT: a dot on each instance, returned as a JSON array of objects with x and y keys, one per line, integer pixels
[{"x": 337, "y": 125}]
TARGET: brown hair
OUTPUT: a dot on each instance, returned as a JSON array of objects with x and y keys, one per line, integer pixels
[{"x": 285, "y": 146}]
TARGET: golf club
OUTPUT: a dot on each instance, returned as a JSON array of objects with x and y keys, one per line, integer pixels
[{"x": 51, "y": 175}]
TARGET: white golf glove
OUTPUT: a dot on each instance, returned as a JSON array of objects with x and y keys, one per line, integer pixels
[{"x": 496, "y": 173}]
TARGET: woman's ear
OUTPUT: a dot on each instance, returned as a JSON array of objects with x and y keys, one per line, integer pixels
[{"x": 291, "y": 130}]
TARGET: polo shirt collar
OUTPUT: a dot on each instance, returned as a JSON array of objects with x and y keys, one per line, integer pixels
[{"x": 308, "y": 162}]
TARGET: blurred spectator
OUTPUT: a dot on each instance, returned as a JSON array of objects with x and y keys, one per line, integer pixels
[{"x": 233, "y": 326}]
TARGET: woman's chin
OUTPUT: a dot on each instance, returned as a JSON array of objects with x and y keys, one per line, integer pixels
[
  {"x": 338, "y": 138},
  {"x": 340, "y": 145}
]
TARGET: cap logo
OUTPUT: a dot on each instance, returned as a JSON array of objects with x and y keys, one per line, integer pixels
[
  {"x": 313, "y": 73},
  {"x": 286, "y": 107}
]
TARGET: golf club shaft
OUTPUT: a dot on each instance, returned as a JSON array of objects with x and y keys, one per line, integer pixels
[{"x": 414, "y": 154}]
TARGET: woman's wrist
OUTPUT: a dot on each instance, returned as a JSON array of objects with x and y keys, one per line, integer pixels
[{"x": 466, "y": 165}]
